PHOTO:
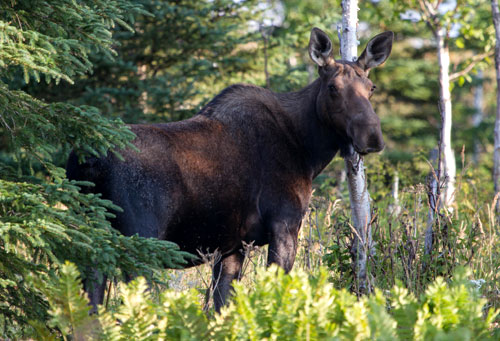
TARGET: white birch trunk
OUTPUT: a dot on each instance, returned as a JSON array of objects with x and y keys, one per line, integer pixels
[
  {"x": 358, "y": 193},
  {"x": 395, "y": 208},
  {"x": 496, "y": 155},
  {"x": 448, "y": 158},
  {"x": 349, "y": 41}
]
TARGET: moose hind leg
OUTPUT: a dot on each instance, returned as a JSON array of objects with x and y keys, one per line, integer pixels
[
  {"x": 283, "y": 245},
  {"x": 95, "y": 290},
  {"x": 225, "y": 271}
]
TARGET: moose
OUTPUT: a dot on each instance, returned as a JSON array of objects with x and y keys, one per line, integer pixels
[{"x": 241, "y": 169}]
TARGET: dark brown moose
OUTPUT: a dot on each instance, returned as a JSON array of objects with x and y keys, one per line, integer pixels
[{"x": 241, "y": 169}]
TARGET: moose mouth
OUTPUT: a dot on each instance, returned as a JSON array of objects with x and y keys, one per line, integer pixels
[
  {"x": 350, "y": 147},
  {"x": 367, "y": 150}
]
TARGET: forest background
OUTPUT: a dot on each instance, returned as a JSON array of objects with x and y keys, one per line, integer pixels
[{"x": 73, "y": 72}]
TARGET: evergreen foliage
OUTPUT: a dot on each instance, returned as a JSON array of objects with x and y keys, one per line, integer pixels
[
  {"x": 160, "y": 76},
  {"x": 44, "y": 219},
  {"x": 180, "y": 54}
]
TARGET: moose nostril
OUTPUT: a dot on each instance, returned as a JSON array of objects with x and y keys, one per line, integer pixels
[{"x": 375, "y": 143}]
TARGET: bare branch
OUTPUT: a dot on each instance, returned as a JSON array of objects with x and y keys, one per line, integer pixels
[
  {"x": 474, "y": 61},
  {"x": 428, "y": 6},
  {"x": 428, "y": 16},
  {"x": 423, "y": 10}
]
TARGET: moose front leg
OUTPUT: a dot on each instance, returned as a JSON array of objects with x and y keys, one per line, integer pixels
[
  {"x": 225, "y": 271},
  {"x": 283, "y": 244}
]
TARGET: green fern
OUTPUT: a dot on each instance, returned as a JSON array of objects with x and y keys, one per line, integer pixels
[
  {"x": 69, "y": 306},
  {"x": 295, "y": 306},
  {"x": 136, "y": 314},
  {"x": 404, "y": 309},
  {"x": 453, "y": 311},
  {"x": 180, "y": 317}
]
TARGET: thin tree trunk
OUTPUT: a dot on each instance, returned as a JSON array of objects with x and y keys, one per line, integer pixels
[
  {"x": 395, "y": 208},
  {"x": 432, "y": 192},
  {"x": 266, "y": 32},
  {"x": 349, "y": 42},
  {"x": 449, "y": 166},
  {"x": 358, "y": 192},
  {"x": 477, "y": 118},
  {"x": 496, "y": 156},
  {"x": 266, "y": 73},
  {"x": 311, "y": 73},
  {"x": 143, "y": 98}
]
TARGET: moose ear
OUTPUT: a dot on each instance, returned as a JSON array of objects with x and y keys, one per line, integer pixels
[
  {"x": 320, "y": 47},
  {"x": 377, "y": 51}
]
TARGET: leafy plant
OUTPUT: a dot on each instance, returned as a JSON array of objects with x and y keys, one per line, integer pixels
[{"x": 298, "y": 306}]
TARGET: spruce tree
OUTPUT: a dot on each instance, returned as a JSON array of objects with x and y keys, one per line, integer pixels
[
  {"x": 44, "y": 219},
  {"x": 180, "y": 55}
]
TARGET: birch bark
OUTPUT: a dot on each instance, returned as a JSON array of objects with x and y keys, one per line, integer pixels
[
  {"x": 356, "y": 179},
  {"x": 448, "y": 161}
]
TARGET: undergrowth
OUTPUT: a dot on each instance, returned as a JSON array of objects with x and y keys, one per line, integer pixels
[
  {"x": 414, "y": 295},
  {"x": 298, "y": 306}
]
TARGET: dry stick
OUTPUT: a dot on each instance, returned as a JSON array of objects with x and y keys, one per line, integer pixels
[
  {"x": 496, "y": 200},
  {"x": 477, "y": 118},
  {"x": 307, "y": 253},
  {"x": 358, "y": 193},
  {"x": 432, "y": 188},
  {"x": 391, "y": 256},
  {"x": 249, "y": 258},
  {"x": 496, "y": 157},
  {"x": 109, "y": 293},
  {"x": 212, "y": 259},
  {"x": 434, "y": 194},
  {"x": 247, "y": 251}
]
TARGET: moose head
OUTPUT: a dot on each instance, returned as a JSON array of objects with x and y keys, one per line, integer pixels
[{"x": 343, "y": 101}]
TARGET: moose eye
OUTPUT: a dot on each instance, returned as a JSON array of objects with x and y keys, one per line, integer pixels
[{"x": 332, "y": 88}]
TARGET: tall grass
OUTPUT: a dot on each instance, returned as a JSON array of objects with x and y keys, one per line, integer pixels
[{"x": 467, "y": 234}]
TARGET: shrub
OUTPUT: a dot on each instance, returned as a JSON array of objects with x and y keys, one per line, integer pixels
[{"x": 297, "y": 306}]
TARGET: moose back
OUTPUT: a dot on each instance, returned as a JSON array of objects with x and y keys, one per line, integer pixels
[{"x": 241, "y": 169}]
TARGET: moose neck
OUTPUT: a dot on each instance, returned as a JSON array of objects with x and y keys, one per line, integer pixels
[{"x": 319, "y": 141}]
